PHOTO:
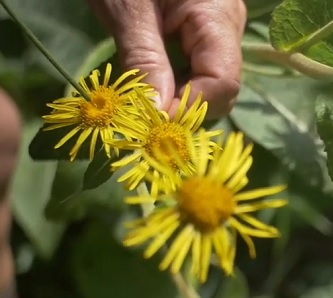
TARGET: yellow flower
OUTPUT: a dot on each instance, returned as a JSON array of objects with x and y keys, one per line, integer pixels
[
  {"x": 206, "y": 211},
  {"x": 155, "y": 132},
  {"x": 109, "y": 107}
]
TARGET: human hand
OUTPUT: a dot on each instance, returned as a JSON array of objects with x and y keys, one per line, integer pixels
[
  {"x": 210, "y": 33},
  {"x": 9, "y": 142}
]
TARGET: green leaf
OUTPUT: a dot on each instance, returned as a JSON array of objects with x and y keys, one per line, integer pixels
[
  {"x": 279, "y": 115},
  {"x": 294, "y": 22},
  {"x": 311, "y": 215},
  {"x": 102, "y": 268},
  {"x": 98, "y": 170},
  {"x": 70, "y": 203},
  {"x": 30, "y": 192}
]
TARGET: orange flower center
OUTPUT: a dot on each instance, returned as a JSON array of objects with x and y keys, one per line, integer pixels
[
  {"x": 205, "y": 203},
  {"x": 168, "y": 136},
  {"x": 101, "y": 109}
]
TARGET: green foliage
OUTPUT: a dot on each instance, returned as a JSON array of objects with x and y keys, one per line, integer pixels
[
  {"x": 294, "y": 22},
  {"x": 268, "y": 110}
]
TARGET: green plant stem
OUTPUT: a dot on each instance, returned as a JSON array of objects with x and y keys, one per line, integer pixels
[
  {"x": 40, "y": 46},
  {"x": 314, "y": 38},
  {"x": 266, "y": 71},
  {"x": 186, "y": 290},
  {"x": 296, "y": 61}
]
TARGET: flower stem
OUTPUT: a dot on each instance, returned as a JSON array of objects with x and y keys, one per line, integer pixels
[
  {"x": 296, "y": 61},
  {"x": 186, "y": 290},
  {"x": 44, "y": 51}
]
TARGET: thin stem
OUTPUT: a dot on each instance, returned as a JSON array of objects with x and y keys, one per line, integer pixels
[
  {"x": 186, "y": 290},
  {"x": 296, "y": 61},
  {"x": 267, "y": 71},
  {"x": 48, "y": 56},
  {"x": 314, "y": 38}
]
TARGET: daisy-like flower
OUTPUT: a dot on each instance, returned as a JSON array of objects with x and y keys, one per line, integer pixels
[
  {"x": 155, "y": 132},
  {"x": 206, "y": 211},
  {"x": 109, "y": 107}
]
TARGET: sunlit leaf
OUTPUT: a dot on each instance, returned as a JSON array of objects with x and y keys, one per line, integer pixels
[
  {"x": 282, "y": 120},
  {"x": 295, "y": 21}
]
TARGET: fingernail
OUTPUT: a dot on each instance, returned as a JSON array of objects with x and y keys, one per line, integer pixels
[{"x": 157, "y": 99}]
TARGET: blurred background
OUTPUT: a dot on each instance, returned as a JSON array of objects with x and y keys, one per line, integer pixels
[{"x": 72, "y": 248}]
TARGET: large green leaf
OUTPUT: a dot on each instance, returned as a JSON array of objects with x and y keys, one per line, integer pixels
[
  {"x": 279, "y": 115},
  {"x": 295, "y": 21},
  {"x": 30, "y": 193},
  {"x": 69, "y": 202}
]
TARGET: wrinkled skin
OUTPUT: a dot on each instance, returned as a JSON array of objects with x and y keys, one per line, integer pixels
[
  {"x": 209, "y": 31},
  {"x": 9, "y": 143}
]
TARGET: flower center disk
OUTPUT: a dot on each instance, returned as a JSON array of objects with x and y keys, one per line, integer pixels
[
  {"x": 165, "y": 136},
  {"x": 205, "y": 203},
  {"x": 99, "y": 112}
]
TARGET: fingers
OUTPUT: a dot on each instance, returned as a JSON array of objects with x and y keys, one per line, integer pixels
[
  {"x": 137, "y": 29},
  {"x": 9, "y": 142},
  {"x": 6, "y": 264},
  {"x": 211, "y": 33}
]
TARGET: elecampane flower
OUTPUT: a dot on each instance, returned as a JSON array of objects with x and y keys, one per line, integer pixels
[
  {"x": 155, "y": 132},
  {"x": 206, "y": 211},
  {"x": 109, "y": 107}
]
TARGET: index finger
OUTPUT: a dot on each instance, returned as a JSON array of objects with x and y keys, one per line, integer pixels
[{"x": 211, "y": 34}]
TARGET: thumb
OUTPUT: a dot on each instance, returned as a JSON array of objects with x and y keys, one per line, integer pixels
[{"x": 137, "y": 30}]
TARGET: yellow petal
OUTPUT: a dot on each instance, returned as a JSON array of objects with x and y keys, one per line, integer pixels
[
  {"x": 67, "y": 137},
  {"x": 160, "y": 239},
  {"x": 175, "y": 247},
  {"x": 206, "y": 251},
  {"x": 260, "y": 205},
  {"x": 259, "y": 192}
]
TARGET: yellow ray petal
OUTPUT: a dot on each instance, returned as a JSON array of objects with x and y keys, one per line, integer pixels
[
  {"x": 160, "y": 239},
  {"x": 259, "y": 192},
  {"x": 245, "y": 208}
]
